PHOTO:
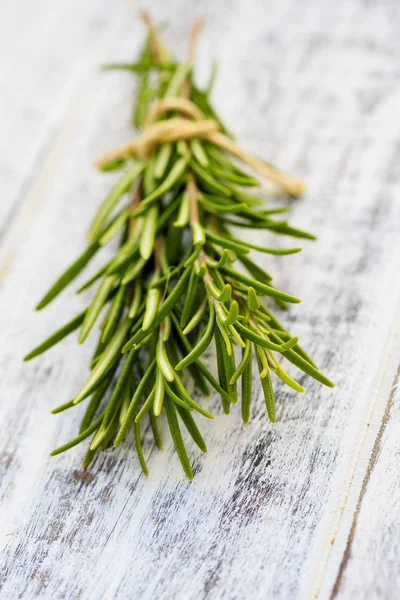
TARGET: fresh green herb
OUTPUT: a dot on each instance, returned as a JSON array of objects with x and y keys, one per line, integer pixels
[{"x": 176, "y": 283}]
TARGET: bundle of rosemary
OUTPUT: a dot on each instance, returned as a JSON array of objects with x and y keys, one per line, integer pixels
[{"x": 172, "y": 287}]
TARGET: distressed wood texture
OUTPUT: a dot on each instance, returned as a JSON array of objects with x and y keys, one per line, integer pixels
[{"x": 307, "y": 508}]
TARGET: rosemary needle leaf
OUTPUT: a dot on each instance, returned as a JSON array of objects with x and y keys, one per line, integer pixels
[
  {"x": 225, "y": 242},
  {"x": 261, "y": 288},
  {"x": 202, "y": 344},
  {"x": 114, "y": 227},
  {"x": 62, "y": 407},
  {"x": 198, "y": 152},
  {"x": 162, "y": 160},
  {"x": 148, "y": 403},
  {"x": 192, "y": 428},
  {"x": 152, "y": 300},
  {"x": 268, "y": 392},
  {"x": 175, "y": 173},
  {"x": 198, "y": 315},
  {"x": 202, "y": 368},
  {"x": 134, "y": 270},
  {"x": 108, "y": 358},
  {"x": 246, "y": 358},
  {"x": 222, "y": 375},
  {"x": 57, "y": 336},
  {"x": 232, "y": 316},
  {"x": 139, "y": 449},
  {"x": 180, "y": 389},
  {"x": 68, "y": 275},
  {"x": 277, "y": 251},
  {"x": 163, "y": 361},
  {"x": 177, "y": 399},
  {"x": 93, "y": 278},
  {"x": 252, "y": 300},
  {"x": 94, "y": 404},
  {"x": 149, "y": 233},
  {"x": 95, "y": 307},
  {"x": 114, "y": 315},
  {"x": 118, "y": 389},
  {"x": 258, "y": 339},
  {"x": 122, "y": 186},
  {"x": 178, "y": 79},
  {"x": 208, "y": 182},
  {"x": 154, "y": 429},
  {"x": 288, "y": 380},
  {"x": 246, "y": 389},
  {"x": 190, "y": 298},
  {"x": 184, "y": 209},
  {"x": 136, "y": 298},
  {"x": 82, "y": 436},
  {"x": 177, "y": 437},
  {"x": 134, "y": 402}
]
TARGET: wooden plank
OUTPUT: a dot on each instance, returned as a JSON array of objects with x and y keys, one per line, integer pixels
[
  {"x": 374, "y": 532},
  {"x": 265, "y": 505},
  {"x": 47, "y": 52}
]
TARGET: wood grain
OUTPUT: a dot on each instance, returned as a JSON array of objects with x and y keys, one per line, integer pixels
[{"x": 314, "y": 88}]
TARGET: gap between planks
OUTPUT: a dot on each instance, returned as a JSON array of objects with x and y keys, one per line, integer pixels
[{"x": 336, "y": 543}]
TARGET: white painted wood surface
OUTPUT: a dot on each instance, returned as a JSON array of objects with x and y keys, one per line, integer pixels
[{"x": 308, "y": 508}]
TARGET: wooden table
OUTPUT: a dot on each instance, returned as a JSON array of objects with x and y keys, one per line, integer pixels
[{"x": 308, "y": 508}]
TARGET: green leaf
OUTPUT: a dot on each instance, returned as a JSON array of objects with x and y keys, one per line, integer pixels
[
  {"x": 82, "y": 436},
  {"x": 68, "y": 275},
  {"x": 139, "y": 449},
  {"x": 136, "y": 298},
  {"x": 261, "y": 288},
  {"x": 192, "y": 428},
  {"x": 208, "y": 182},
  {"x": 174, "y": 174},
  {"x": 246, "y": 358},
  {"x": 122, "y": 381},
  {"x": 154, "y": 429},
  {"x": 96, "y": 305},
  {"x": 162, "y": 160},
  {"x": 288, "y": 380},
  {"x": 198, "y": 315},
  {"x": 120, "y": 188},
  {"x": 252, "y": 300},
  {"x": 94, "y": 403},
  {"x": 114, "y": 314},
  {"x": 198, "y": 152},
  {"x": 177, "y": 437},
  {"x": 149, "y": 233},
  {"x": 222, "y": 375},
  {"x": 246, "y": 389},
  {"x": 184, "y": 210},
  {"x": 268, "y": 391},
  {"x": 178, "y": 79},
  {"x": 140, "y": 390},
  {"x": 115, "y": 226},
  {"x": 152, "y": 300},
  {"x": 148, "y": 403},
  {"x": 226, "y": 365},
  {"x": 134, "y": 270},
  {"x": 108, "y": 358},
  {"x": 304, "y": 365},
  {"x": 57, "y": 336},
  {"x": 277, "y": 251},
  {"x": 226, "y": 242},
  {"x": 163, "y": 361},
  {"x": 181, "y": 391},
  {"x": 203, "y": 343}
]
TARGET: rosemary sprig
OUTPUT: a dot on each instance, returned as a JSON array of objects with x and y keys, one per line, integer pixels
[{"x": 173, "y": 286}]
